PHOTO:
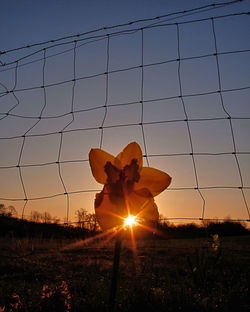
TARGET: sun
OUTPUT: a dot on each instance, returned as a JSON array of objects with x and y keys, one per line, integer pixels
[{"x": 130, "y": 221}]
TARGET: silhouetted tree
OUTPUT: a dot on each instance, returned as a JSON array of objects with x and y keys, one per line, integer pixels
[
  {"x": 92, "y": 221},
  {"x": 46, "y": 217},
  {"x": 35, "y": 216},
  {"x": 81, "y": 215},
  {"x": 227, "y": 228},
  {"x": 9, "y": 211}
]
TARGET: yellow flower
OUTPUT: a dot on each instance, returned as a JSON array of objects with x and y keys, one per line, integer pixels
[{"x": 129, "y": 188}]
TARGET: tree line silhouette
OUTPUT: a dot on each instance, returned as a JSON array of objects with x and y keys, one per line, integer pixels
[{"x": 43, "y": 225}]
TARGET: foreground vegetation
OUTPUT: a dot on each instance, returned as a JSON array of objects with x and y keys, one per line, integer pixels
[
  {"x": 41, "y": 274},
  {"x": 51, "y": 267}
]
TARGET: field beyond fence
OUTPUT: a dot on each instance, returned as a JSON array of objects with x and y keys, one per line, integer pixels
[{"x": 164, "y": 275}]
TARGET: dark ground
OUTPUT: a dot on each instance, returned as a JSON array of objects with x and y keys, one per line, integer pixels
[{"x": 165, "y": 275}]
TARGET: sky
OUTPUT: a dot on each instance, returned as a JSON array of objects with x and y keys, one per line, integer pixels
[{"x": 174, "y": 95}]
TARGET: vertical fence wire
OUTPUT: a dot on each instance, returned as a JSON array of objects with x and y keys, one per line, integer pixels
[
  {"x": 106, "y": 91},
  {"x": 187, "y": 124},
  {"x": 229, "y": 118},
  {"x": 142, "y": 98}
]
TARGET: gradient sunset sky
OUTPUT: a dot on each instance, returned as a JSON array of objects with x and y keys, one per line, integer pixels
[{"x": 170, "y": 106}]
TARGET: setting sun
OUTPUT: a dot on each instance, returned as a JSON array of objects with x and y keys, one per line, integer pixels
[{"x": 130, "y": 221}]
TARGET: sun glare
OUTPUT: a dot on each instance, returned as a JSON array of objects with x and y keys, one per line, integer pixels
[{"x": 130, "y": 221}]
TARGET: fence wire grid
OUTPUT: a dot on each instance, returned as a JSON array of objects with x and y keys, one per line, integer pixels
[{"x": 173, "y": 83}]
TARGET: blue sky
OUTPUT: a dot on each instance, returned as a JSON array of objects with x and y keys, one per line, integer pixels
[
  {"x": 27, "y": 21},
  {"x": 165, "y": 128}
]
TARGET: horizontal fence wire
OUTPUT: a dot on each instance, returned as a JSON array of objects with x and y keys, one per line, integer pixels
[
  {"x": 212, "y": 5},
  {"x": 93, "y": 36}
]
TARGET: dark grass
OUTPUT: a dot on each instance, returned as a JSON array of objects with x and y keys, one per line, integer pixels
[{"x": 168, "y": 275}]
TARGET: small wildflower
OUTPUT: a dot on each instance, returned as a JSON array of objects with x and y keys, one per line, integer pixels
[
  {"x": 57, "y": 299},
  {"x": 15, "y": 303},
  {"x": 215, "y": 242},
  {"x": 47, "y": 292}
]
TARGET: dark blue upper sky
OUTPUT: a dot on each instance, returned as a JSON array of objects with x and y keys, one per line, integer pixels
[{"x": 29, "y": 21}]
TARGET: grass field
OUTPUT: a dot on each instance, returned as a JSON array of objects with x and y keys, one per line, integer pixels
[{"x": 164, "y": 275}]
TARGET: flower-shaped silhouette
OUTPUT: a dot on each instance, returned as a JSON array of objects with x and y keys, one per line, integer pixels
[{"x": 129, "y": 188}]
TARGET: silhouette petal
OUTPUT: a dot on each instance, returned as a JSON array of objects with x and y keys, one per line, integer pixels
[
  {"x": 153, "y": 179},
  {"x": 98, "y": 159},
  {"x": 130, "y": 152}
]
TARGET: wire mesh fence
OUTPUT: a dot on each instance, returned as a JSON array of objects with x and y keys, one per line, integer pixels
[{"x": 179, "y": 85}]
